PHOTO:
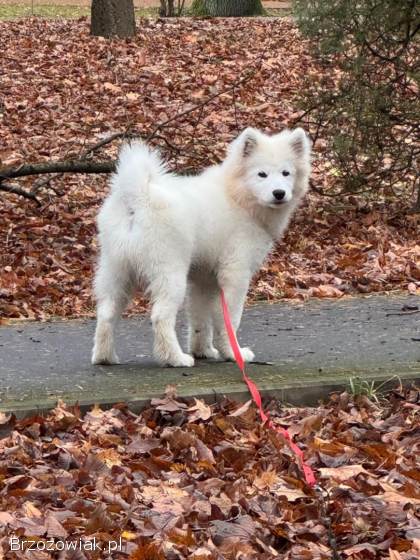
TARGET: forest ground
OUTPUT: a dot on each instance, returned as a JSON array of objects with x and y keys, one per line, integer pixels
[{"x": 63, "y": 91}]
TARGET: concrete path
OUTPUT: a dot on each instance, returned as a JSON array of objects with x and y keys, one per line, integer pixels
[{"x": 314, "y": 348}]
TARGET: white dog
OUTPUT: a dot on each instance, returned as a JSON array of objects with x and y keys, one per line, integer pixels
[{"x": 171, "y": 235}]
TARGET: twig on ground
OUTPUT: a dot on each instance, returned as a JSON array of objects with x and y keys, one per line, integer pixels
[
  {"x": 43, "y": 183},
  {"x": 403, "y": 313},
  {"x": 326, "y": 519},
  {"x": 321, "y": 191},
  {"x": 104, "y": 142}
]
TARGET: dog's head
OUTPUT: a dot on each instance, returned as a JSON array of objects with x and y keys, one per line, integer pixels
[{"x": 270, "y": 171}]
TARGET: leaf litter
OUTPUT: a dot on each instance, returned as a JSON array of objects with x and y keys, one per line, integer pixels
[
  {"x": 190, "y": 480},
  {"x": 63, "y": 91}
]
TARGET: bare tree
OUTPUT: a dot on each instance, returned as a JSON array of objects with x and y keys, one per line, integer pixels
[
  {"x": 167, "y": 8},
  {"x": 111, "y": 18}
]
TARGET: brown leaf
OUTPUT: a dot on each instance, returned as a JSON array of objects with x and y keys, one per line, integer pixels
[
  {"x": 341, "y": 474},
  {"x": 200, "y": 411}
]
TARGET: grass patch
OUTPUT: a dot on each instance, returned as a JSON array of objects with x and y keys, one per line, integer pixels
[
  {"x": 361, "y": 387},
  {"x": 13, "y": 11}
]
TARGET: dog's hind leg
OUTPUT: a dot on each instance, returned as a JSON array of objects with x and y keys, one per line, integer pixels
[
  {"x": 200, "y": 330},
  {"x": 167, "y": 294},
  {"x": 235, "y": 290},
  {"x": 112, "y": 292}
]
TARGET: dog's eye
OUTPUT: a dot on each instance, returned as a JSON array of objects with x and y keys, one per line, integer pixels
[
  {"x": 262, "y": 174},
  {"x": 285, "y": 173}
]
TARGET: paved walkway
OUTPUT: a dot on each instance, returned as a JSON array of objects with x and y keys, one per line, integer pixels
[{"x": 314, "y": 348}]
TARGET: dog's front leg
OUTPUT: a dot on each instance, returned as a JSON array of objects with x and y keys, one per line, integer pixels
[{"x": 235, "y": 287}]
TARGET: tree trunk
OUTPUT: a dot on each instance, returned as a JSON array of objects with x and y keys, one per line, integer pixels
[
  {"x": 228, "y": 8},
  {"x": 167, "y": 8},
  {"x": 111, "y": 18}
]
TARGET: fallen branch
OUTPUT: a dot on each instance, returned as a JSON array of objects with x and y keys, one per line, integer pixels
[
  {"x": 69, "y": 166},
  {"x": 44, "y": 182},
  {"x": 14, "y": 189}
]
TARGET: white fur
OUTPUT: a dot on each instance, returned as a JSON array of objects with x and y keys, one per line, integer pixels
[{"x": 175, "y": 235}]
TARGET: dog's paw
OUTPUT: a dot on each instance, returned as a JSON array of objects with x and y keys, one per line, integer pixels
[
  {"x": 208, "y": 353},
  {"x": 104, "y": 359},
  {"x": 183, "y": 360},
  {"x": 247, "y": 354}
]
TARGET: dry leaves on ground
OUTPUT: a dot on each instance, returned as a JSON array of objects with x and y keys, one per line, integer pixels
[
  {"x": 187, "y": 480},
  {"x": 63, "y": 90}
]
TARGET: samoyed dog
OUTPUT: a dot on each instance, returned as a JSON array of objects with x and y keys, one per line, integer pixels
[{"x": 176, "y": 236}]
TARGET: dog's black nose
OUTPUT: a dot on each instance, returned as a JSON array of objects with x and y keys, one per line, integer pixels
[{"x": 279, "y": 194}]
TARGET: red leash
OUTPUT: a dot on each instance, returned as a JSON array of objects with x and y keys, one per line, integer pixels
[{"x": 253, "y": 389}]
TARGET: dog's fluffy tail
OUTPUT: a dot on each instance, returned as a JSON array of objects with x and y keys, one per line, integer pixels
[{"x": 138, "y": 166}]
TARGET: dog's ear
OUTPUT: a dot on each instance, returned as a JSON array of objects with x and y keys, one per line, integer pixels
[
  {"x": 242, "y": 147},
  {"x": 249, "y": 141},
  {"x": 300, "y": 143}
]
